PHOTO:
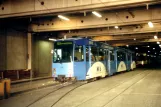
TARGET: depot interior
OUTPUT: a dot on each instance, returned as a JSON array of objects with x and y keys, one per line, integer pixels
[{"x": 26, "y": 40}]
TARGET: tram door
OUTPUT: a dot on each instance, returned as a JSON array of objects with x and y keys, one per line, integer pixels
[
  {"x": 112, "y": 62},
  {"x": 79, "y": 62},
  {"x": 106, "y": 61}
]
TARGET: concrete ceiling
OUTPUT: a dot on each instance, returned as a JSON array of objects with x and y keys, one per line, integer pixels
[{"x": 131, "y": 16}]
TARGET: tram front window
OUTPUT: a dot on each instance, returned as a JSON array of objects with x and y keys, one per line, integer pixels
[{"x": 63, "y": 52}]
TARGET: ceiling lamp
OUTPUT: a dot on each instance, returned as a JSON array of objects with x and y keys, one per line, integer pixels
[
  {"x": 63, "y": 17},
  {"x": 148, "y": 46},
  {"x": 148, "y": 51},
  {"x": 97, "y": 14},
  {"x": 155, "y": 37},
  {"x": 158, "y": 42},
  {"x": 116, "y": 27},
  {"x": 136, "y": 48},
  {"x": 134, "y": 38},
  {"x": 127, "y": 45},
  {"x": 150, "y": 24},
  {"x": 153, "y": 48},
  {"x": 51, "y": 39}
]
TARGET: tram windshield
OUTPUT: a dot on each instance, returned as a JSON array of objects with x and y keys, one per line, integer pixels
[{"x": 63, "y": 51}]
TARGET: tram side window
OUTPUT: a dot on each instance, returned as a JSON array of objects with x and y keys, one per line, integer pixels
[
  {"x": 121, "y": 56},
  {"x": 129, "y": 57},
  {"x": 87, "y": 54},
  {"x": 78, "y": 54},
  {"x": 101, "y": 56},
  {"x": 111, "y": 55},
  {"x": 94, "y": 54}
]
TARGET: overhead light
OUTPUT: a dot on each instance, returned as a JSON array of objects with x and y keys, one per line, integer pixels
[
  {"x": 147, "y": 55},
  {"x": 153, "y": 48},
  {"x": 148, "y": 51},
  {"x": 116, "y": 27},
  {"x": 158, "y": 42},
  {"x": 150, "y": 24},
  {"x": 127, "y": 45},
  {"x": 155, "y": 53},
  {"x": 160, "y": 51},
  {"x": 63, "y": 17},
  {"x": 155, "y": 37},
  {"x": 148, "y": 46},
  {"x": 136, "y": 48},
  {"x": 160, "y": 45},
  {"x": 51, "y": 39},
  {"x": 134, "y": 38},
  {"x": 97, "y": 14}
]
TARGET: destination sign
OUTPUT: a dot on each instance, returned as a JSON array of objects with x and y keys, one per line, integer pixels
[{"x": 64, "y": 43}]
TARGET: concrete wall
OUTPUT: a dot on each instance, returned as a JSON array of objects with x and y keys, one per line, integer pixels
[
  {"x": 16, "y": 50},
  {"x": 13, "y": 49},
  {"x": 41, "y": 56}
]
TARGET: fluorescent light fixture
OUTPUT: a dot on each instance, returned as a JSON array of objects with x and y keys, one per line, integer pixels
[
  {"x": 153, "y": 48},
  {"x": 136, "y": 48},
  {"x": 116, "y": 27},
  {"x": 148, "y": 46},
  {"x": 150, "y": 24},
  {"x": 63, "y": 17},
  {"x": 127, "y": 45},
  {"x": 155, "y": 53},
  {"x": 134, "y": 38},
  {"x": 148, "y": 51},
  {"x": 97, "y": 14},
  {"x": 160, "y": 51},
  {"x": 147, "y": 55},
  {"x": 51, "y": 39},
  {"x": 158, "y": 42},
  {"x": 155, "y": 37},
  {"x": 160, "y": 45}
]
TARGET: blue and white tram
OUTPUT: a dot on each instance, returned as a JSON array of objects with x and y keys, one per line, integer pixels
[{"x": 84, "y": 59}]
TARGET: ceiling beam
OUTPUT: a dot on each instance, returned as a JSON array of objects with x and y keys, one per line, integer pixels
[
  {"x": 15, "y": 8},
  {"x": 123, "y": 30},
  {"x": 124, "y": 37},
  {"x": 109, "y": 19},
  {"x": 130, "y": 42}
]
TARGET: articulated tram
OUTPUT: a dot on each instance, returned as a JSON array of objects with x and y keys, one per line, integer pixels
[{"x": 84, "y": 59}]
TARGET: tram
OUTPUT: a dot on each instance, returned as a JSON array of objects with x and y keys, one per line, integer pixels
[{"x": 84, "y": 59}]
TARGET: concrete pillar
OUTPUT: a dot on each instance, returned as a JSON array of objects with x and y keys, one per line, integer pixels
[{"x": 29, "y": 55}]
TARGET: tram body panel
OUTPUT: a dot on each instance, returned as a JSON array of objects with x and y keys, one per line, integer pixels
[
  {"x": 80, "y": 70},
  {"x": 133, "y": 65},
  {"x": 98, "y": 69},
  {"x": 121, "y": 66},
  {"x": 63, "y": 69},
  {"x": 112, "y": 67},
  {"x": 128, "y": 65}
]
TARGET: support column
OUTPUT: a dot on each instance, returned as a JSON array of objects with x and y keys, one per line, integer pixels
[{"x": 29, "y": 54}]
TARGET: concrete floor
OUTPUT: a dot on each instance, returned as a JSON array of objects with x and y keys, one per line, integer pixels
[{"x": 139, "y": 88}]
